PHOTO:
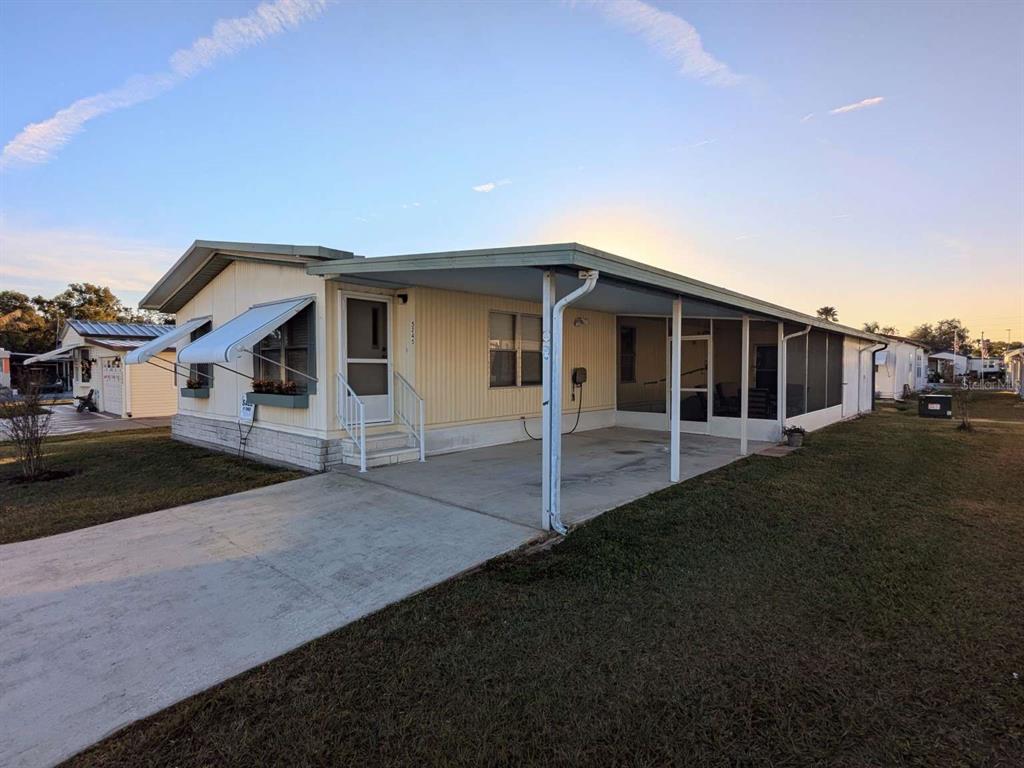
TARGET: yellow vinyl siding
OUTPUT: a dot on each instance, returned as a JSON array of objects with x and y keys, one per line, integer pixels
[
  {"x": 452, "y": 361},
  {"x": 153, "y": 392}
]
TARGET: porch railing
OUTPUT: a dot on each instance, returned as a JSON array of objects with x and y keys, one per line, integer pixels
[
  {"x": 352, "y": 417},
  {"x": 409, "y": 410}
]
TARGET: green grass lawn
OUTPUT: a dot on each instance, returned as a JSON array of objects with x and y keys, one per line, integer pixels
[
  {"x": 117, "y": 475},
  {"x": 856, "y": 603}
]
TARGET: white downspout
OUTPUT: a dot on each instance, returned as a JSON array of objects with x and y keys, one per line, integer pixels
[
  {"x": 785, "y": 371},
  {"x": 548, "y": 294},
  {"x": 555, "y": 402}
]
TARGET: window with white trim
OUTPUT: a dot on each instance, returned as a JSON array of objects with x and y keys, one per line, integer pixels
[{"x": 513, "y": 346}]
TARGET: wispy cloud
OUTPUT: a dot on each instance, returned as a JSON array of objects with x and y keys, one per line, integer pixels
[
  {"x": 490, "y": 186},
  {"x": 39, "y": 142},
  {"x": 671, "y": 36},
  {"x": 45, "y": 260},
  {"x": 807, "y": 118},
  {"x": 862, "y": 104}
]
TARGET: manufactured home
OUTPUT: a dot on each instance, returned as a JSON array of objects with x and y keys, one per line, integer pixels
[
  {"x": 96, "y": 354},
  {"x": 1013, "y": 361},
  {"x": 901, "y": 368},
  {"x": 369, "y": 361}
]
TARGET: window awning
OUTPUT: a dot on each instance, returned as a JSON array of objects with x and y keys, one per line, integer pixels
[
  {"x": 53, "y": 354},
  {"x": 160, "y": 343},
  {"x": 226, "y": 343}
]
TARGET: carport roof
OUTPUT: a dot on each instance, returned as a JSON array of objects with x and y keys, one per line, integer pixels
[{"x": 625, "y": 286}]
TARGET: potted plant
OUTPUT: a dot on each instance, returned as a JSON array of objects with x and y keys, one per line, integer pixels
[{"x": 794, "y": 436}]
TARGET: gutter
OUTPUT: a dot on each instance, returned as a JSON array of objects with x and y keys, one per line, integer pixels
[{"x": 555, "y": 422}]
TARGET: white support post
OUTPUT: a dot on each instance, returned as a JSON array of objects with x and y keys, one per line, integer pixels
[
  {"x": 548, "y": 293},
  {"x": 745, "y": 385},
  {"x": 674, "y": 403}
]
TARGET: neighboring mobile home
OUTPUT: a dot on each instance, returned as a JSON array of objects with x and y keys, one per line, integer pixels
[
  {"x": 379, "y": 360},
  {"x": 901, "y": 368},
  {"x": 946, "y": 366},
  {"x": 1014, "y": 364},
  {"x": 97, "y": 352}
]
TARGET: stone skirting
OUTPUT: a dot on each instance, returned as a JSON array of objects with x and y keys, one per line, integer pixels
[{"x": 270, "y": 445}]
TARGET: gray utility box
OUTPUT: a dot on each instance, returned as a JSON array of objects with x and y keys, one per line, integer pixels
[{"x": 935, "y": 406}]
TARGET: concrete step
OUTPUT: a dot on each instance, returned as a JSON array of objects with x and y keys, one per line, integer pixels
[
  {"x": 384, "y": 458},
  {"x": 385, "y": 441}
]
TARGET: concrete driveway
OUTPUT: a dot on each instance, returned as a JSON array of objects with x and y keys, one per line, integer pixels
[
  {"x": 103, "y": 626},
  {"x": 601, "y": 469}
]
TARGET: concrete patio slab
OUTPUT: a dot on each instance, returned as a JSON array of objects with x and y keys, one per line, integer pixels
[
  {"x": 109, "y": 624},
  {"x": 601, "y": 469}
]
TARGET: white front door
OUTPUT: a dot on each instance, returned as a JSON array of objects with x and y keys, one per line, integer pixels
[
  {"x": 111, "y": 385},
  {"x": 366, "y": 355}
]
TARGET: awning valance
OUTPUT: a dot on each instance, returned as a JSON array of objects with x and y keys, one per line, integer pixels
[
  {"x": 160, "y": 343},
  {"x": 226, "y": 343},
  {"x": 53, "y": 354}
]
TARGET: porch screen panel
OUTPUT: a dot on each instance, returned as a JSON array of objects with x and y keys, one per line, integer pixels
[
  {"x": 502, "y": 345},
  {"x": 641, "y": 363},
  {"x": 763, "y": 393},
  {"x": 817, "y": 366},
  {"x": 530, "y": 333},
  {"x": 834, "y": 370},
  {"x": 796, "y": 375},
  {"x": 727, "y": 337}
]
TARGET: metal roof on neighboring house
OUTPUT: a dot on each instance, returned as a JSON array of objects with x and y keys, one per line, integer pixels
[
  {"x": 92, "y": 328},
  {"x": 116, "y": 344}
]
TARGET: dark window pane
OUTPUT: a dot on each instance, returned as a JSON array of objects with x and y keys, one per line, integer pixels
[
  {"x": 202, "y": 373},
  {"x": 367, "y": 329},
  {"x": 268, "y": 364},
  {"x": 531, "y": 367},
  {"x": 627, "y": 354},
  {"x": 503, "y": 368},
  {"x": 368, "y": 378},
  {"x": 693, "y": 406}
]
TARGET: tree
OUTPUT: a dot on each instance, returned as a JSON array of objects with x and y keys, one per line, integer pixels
[
  {"x": 22, "y": 328},
  {"x": 886, "y": 330},
  {"x": 1000, "y": 348},
  {"x": 941, "y": 335},
  {"x": 828, "y": 313},
  {"x": 26, "y": 423}
]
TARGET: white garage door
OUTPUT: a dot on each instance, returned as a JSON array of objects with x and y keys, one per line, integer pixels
[{"x": 111, "y": 393}]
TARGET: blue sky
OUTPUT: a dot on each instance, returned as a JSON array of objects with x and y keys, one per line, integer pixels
[{"x": 400, "y": 127}]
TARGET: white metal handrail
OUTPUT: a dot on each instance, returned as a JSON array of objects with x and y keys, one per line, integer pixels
[
  {"x": 352, "y": 417},
  {"x": 409, "y": 409}
]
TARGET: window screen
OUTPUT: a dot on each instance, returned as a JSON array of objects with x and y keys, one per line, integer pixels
[
  {"x": 796, "y": 376},
  {"x": 834, "y": 370},
  {"x": 727, "y": 342},
  {"x": 817, "y": 354},
  {"x": 502, "y": 345},
  {"x": 764, "y": 370}
]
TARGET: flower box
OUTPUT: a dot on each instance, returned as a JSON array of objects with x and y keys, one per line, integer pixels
[
  {"x": 203, "y": 392},
  {"x": 278, "y": 401}
]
